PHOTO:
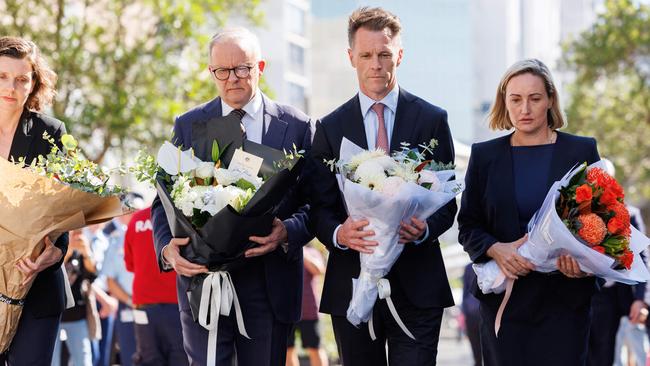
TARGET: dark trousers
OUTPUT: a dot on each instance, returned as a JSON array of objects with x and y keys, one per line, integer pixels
[
  {"x": 34, "y": 341},
  {"x": 606, "y": 313},
  {"x": 125, "y": 334},
  {"x": 158, "y": 341},
  {"x": 356, "y": 348},
  {"x": 558, "y": 336},
  {"x": 472, "y": 326},
  {"x": 268, "y": 337}
]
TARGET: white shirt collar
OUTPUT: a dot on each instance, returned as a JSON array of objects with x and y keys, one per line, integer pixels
[
  {"x": 253, "y": 108},
  {"x": 390, "y": 100}
]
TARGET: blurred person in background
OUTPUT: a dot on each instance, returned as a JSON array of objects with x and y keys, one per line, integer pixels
[
  {"x": 158, "y": 332},
  {"x": 80, "y": 321},
  {"x": 309, "y": 328},
  {"x": 120, "y": 281}
]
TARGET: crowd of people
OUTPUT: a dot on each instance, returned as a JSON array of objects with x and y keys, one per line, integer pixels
[{"x": 130, "y": 281}]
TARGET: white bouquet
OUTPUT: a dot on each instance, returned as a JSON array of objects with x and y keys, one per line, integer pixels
[{"x": 387, "y": 190}]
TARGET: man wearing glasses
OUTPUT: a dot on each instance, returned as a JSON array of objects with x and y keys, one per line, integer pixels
[{"x": 269, "y": 284}]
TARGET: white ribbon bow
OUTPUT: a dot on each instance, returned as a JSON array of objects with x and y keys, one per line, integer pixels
[
  {"x": 383, "y": 287},
  {"x": 217, "y": 297}
]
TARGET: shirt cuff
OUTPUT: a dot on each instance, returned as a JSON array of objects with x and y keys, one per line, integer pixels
[
  {"x": 166, "y": 266},
  {"x": 336, "y": 244},
  {"x": 425, "y": 237}
]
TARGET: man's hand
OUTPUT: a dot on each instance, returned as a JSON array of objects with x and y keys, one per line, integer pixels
[
  {"x": 413, "y": 231},
  {"x": 569, "y": 267},
  {"x": 510, "y": 262},
  {"x": 172, "y": 255},
  {"x": 270, "y": 242},
  {"x": 48, "y": 257},
  {"x": 351, "y": 234},
  {"x": 637, "y": 315}
]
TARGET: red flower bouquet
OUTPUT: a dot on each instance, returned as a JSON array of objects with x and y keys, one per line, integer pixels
[{"x": 593, "y": 209}]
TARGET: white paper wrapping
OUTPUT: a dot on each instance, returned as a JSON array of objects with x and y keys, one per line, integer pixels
[{"x": 384, "y": 213}]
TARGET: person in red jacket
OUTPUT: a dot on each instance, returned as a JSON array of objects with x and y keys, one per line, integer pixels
[{"x": 157, "y": 321}]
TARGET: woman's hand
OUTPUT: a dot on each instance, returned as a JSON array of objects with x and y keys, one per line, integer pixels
[
  {"x": 48, "y": 257},
  {"x": 511, "y": 263},
  {"x": 569, "y": 267}
]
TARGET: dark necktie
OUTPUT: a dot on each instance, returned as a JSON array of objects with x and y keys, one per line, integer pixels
[{"x": 240, "y": 113}]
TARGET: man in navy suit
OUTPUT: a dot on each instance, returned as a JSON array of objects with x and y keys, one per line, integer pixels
[
  {"x": 269, "y": 284},
  {"x": 381, "y": 115}
]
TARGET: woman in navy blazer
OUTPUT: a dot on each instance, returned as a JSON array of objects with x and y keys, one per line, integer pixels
[
  {"x": 26, "y": 86},
  {"x": 546, "y": 321}
]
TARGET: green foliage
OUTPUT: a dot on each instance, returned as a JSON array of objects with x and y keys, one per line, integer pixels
[
  {"x": 125, "y": 67},
  {"x": 610, "y": 97},
  {"x": 68, "y": 167}
]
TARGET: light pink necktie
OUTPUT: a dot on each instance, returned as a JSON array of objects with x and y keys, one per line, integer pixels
[{"x": 382, "y": 135}]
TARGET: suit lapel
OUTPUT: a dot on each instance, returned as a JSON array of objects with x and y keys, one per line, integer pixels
[
  {"x": 23, "y": 137},
  {"x": 277, "y": 128},
  {"x": 405, "y": 121},
  {"x": 558, "y": 161},
  {"x": 353, "y": 128}
]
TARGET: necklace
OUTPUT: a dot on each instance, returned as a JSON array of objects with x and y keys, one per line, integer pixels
[{"x": 551, "y": 139}]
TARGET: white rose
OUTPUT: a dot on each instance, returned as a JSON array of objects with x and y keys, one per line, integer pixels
[
  {"x": 391, "y": 185},
  {"x": 204, "y": 170},
  {"x": 427, "y": 176}
]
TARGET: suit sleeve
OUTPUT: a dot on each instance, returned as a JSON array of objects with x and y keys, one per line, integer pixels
[
  {"x": 161, "y": 233},
  {"x": 471, "y": 220},
  {"x": 443, "y": 219},
  {"x": 327, "y": 208},
  {"x": 298, "y": 233}
]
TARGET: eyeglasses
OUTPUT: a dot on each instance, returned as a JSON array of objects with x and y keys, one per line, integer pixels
[{"x": 222, "y": 73}]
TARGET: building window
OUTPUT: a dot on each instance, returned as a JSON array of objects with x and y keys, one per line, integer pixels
[
  {"x": 297, "y": 58},
  {"x": 297, "y": 96},
  {"x": 296, "y": 17}
]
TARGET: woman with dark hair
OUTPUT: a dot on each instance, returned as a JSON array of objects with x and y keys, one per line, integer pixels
[
  {"x": 546, "y": 321},
  {"x": 26, "y": 87}
]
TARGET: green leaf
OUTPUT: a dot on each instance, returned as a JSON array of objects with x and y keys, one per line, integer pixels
[
  {"x": 216, "y": 154},
  {"x": 69, "y": 142},
  {"x": 244, "y": 184}
]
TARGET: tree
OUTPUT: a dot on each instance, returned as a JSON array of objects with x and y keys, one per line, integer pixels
[
  {"x": 125, "y": 67},
  {"x": 610, "y": 97}
]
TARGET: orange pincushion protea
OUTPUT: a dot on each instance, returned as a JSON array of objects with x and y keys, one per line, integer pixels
[{"x": 592, "y": 228}]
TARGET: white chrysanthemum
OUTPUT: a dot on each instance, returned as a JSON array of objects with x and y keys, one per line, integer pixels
[
  {"x": 373, "y": 181},
  {"x": 427, "y": 176},
  {"x": 367, "y": 169},
  {"x": 362, "y": 157},
  {"x": 386, "y": 162},
  {"x": 391, "y": 185},
  {"x": 204, "y": 170},
  {"x": 405, "y": 171}
]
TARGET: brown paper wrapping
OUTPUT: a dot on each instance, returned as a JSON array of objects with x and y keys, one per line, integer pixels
[{"x": 31, "y": 207}]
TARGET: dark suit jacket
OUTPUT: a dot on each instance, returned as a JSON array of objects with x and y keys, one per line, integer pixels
[
  {"x": 489, "y": 214},
  {"x": 286, "y": 126},
  {"x": 47, "y": 295},
  {"x": 419, "y": 272}
]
